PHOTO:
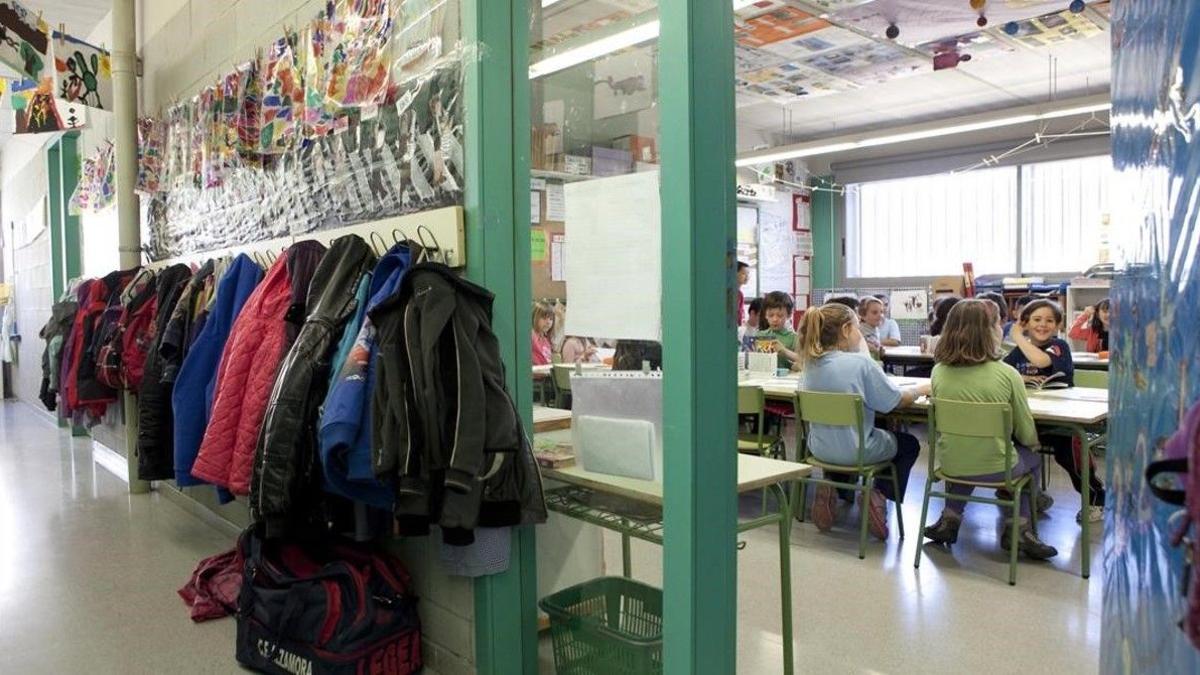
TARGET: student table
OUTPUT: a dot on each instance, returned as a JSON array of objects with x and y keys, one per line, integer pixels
[
  {"x": 908, "y": 355},
  {"x": 633, "y": 508},
  {"x": 543, "y": 372},
  {"x": 1078, "y": 411}
]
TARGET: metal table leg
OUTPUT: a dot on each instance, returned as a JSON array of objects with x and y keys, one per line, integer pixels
[
  {"x": 785, "y": 574},
  {"x": 626, "y": 554}
]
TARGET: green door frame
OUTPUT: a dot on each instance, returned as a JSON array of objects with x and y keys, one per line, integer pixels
[
  {"x": 496, "y": 136},
  {"x": 699, "y": 372},
  {"x": 62, "y": 168}
]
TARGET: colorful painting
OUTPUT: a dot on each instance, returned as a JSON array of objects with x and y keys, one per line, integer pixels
[
  {"x": 318, "y": 116},
  {"x": 359, "y": 66},
  {"x": 151, "y": 146},
  {"x": 282, "y": 98},
  {"x": 1155, "y": 356},
  {"x": 24, "y": 42},
  {"x": 45, "y": 114},
  {"x": 249, "y": 113},
  {"x": 785, "y": 23},
  {"x": 82, "y": 72}
]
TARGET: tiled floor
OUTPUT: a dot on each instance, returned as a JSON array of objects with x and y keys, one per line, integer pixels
[{"x": 88, "y": 577}]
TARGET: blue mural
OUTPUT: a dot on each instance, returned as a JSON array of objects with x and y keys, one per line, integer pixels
[{"x": 1156, "y": 310}]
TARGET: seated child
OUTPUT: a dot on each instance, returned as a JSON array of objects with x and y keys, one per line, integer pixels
[
  {"x": 967, "y": 369},
  {"x": 543, "y": 326},
  {"x": 777, "y": 309},
  {"x": 1039, "y": 356},
  {"x": 577, "y": 349},
  {"x": 889, "y": 332},
  {"x": 1092, "y": 327},
  {"x": 871, "y": 319},
  {"x": 831, "y": 364}
]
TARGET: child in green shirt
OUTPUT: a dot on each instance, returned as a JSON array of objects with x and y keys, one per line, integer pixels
[
  {"x": 777, "y": 308},
  {"x": 968, "y": 369}
]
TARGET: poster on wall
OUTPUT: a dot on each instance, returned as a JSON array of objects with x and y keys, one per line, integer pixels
[
  {"x": 82, "y": 73},
  {"x": 622, "y": 83},
  {"x": 24, "y": 43}
]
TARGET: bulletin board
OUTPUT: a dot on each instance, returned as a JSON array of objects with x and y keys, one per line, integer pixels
[{"x": 547, "y": 243}]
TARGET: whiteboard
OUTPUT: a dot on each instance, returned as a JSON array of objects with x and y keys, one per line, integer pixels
[{"x": 613, "y": 263}]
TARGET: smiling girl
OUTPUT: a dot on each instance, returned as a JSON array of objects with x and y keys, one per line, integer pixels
[{"x": 1092, "y": 327}]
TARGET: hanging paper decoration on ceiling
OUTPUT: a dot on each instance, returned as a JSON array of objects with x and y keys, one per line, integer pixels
[
  {"x": 82, "y": 72},
  {"x": 24, "y": 42}
]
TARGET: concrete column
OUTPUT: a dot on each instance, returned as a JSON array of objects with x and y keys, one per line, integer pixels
[{"x": 129, "y": 235}]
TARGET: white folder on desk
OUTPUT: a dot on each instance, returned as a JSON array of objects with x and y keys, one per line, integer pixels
[
  {"x": 617, "y": 427},
  {"x": 615, "y": 446}
]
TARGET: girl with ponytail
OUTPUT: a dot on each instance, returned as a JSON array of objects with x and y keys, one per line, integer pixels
[{"x": 829, "y": 346}]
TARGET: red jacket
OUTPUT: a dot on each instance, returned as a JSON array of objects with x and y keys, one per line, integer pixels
[
  {"x": 256, "y": 345},
  {"x": 1082, "y": 330}
]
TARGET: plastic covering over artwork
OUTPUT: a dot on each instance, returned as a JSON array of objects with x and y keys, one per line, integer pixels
[
  {"x": 354, "y": 117},
  {"x": 1156, "y": 356}
]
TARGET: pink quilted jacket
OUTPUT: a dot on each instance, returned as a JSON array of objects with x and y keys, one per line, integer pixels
[{"x": 244, "y": 381}]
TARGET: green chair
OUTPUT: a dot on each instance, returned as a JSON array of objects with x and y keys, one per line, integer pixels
[
  {"x": 752, "y": 404},
  {"x": 842, "y": 410},
  {"x": 560, "y": 377},
  {"x": 978, "y": 420},
  {"x": 1093, "y": 379}
]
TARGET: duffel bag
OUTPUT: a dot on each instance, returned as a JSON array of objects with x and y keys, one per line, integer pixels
[{"x": 327, "y": 607}]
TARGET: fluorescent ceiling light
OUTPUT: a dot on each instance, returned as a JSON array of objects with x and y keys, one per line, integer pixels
[
  {"x": 595, "y": 49},
  {"x": 931, "y": 130},
  {"x": 606, "y": 45}
]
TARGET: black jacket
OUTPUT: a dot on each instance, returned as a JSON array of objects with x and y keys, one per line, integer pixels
[
  {"x": 54, "y": 333},
  {"x": 155, "y": 442},
  {"x": 443, "y": 425},
  {"x": 285, "y": 474}
]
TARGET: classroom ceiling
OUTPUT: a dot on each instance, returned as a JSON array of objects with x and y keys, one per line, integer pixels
[{"x": 813, "y": 69}]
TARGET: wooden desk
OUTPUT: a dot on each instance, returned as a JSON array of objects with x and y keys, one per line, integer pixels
[
  {"x": 596, "y": 498},
  {"x": 550, "y": 419}
]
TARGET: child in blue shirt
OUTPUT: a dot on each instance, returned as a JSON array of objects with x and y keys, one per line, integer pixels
[
  {"x": 1041, "y": 354},
  {"x": 829, "y": 346}
]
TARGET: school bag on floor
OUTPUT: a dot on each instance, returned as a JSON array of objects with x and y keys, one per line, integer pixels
[{"x": 329, "y": 607}]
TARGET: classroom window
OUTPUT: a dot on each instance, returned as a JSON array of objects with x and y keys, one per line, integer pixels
[
  {"x": 930, "y": 225},
  {"x": 1064, "y": 214}
]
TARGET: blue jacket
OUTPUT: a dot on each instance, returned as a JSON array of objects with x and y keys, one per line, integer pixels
[
  {"x": 191, "y": 400},
  {"x": 345, "y": 429}
]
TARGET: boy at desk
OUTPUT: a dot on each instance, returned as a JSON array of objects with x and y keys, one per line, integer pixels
[{"x": 777, "y": 308}]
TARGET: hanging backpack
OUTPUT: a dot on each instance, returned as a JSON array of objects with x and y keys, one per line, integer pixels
[
  {"x": 329, "y": 607},
  {"x": 110, "y": 369},
  {"x": 137, "y": 331},
  {"x": 1181, "y": 459}
]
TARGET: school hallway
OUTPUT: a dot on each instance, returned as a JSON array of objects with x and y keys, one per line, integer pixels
[{"x": 88, "y": 572}]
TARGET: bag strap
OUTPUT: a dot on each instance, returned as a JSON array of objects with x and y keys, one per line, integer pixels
[{"x": 1164, "y": 466}]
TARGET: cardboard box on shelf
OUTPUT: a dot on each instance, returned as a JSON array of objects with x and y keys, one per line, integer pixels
[
  {"x": 576, "y": 165},
  {"x": 642, "y": 148},
  {"x": 546, "y": 140},
  {"x": 611, "y": 162},
  {"x": 948, "y": 286}
]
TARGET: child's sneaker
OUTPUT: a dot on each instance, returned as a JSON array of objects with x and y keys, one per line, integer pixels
[
  {"x": 824, "y": 509},
  {"x": 945, "y": 530},
  {"x": 1028, "y": 543},
  {"x": 1094, "y": 513}
]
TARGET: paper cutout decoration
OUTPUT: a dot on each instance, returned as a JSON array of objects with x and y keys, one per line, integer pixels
[
  {"x": 359, "y": 64},
  {"x": 82, "y": 72},
  {"x": 24, "y": 44},
  {"x": 282, "y": 98},
  {"x": 784, "y": 23}
]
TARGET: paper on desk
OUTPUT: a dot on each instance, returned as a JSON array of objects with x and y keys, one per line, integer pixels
[{"x": 614, "y": 251}]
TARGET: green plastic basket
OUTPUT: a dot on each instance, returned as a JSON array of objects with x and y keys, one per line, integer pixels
[{"x": 606, "y": 625}]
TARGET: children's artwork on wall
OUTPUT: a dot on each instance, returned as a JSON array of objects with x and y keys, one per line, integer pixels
[
  {"x": 622, "y": 83},
  {"x": 21, "y": 93},
  {"x": 784, "y": 23},
  {"x": 45, "y": 114},
  {"x": 282, "y": 99},
  {"x": 359, "y": 64},
  {"x": 24, "y": 43},
  {"x": 151, "y": 141},
  {"x": 249, "y": 112},
  {"x": 82, "y": 72},
  {"x": 910, "y": 304}
]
